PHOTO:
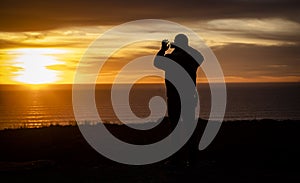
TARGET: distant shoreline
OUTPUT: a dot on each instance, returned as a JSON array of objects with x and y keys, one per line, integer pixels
[{"x": 74, "y": 124}]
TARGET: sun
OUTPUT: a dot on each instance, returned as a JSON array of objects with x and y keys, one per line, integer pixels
[{"x": 34, "y": 63}]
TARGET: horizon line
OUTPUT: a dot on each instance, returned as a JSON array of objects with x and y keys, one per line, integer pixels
[{"x": 250, "y": 82}]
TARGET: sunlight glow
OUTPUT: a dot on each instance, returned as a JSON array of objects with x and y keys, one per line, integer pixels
[{"x": 34, "y": 63}]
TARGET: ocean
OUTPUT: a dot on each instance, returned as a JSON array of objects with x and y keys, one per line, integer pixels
[{"x": 30, "y": 107}]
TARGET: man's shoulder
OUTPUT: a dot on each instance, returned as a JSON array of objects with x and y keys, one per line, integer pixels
[
  {"x": 194, "y": 51},
  {"x": 196, "y": 54}
]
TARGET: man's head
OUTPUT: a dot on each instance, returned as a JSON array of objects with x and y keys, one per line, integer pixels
[{"x": 180, "y": 40}]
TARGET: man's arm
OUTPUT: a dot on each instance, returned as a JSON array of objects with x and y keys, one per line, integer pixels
[
  {"x": 198, "y": 57},
  {"x": 159, "y": 58}
]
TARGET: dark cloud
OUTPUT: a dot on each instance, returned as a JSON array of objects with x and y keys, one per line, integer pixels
[
  {"x": 246, "y": 60},
  {"x": 38, "y": 36},
  {"x": 32, "y": 15}
]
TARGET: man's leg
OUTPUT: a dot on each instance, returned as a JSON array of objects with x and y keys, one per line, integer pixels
[{"x": 174, "y": 110}]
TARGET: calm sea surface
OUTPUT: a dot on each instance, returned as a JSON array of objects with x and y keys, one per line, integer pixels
[{"x": 21, "y": 106}]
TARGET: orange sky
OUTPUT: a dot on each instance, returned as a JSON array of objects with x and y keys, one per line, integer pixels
[{"x": 42, "y": 42}]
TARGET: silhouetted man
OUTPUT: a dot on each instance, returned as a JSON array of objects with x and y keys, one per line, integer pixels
[
  {"x": 187, "y": 58},
  {"x": 183, "y": 55}
]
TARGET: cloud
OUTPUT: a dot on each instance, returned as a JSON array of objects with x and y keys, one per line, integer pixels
[
  {"x": 31, "y": 15},
  {"x": 277, "y": 65},
  {"x": 267, "y": 31},
  {"x": 252, "y": 39},
  {"x": 5, "y": 44},
  {"x": 267, "y": 25},
  {"x": 62, "y": 67},
  {"x": 73, "y": 37},
  {"x": 252, "y": 61}
]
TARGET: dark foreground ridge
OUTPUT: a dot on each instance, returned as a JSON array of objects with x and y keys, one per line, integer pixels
[{"x": 243, "y": 151}]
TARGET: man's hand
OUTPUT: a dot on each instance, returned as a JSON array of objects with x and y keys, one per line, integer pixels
[{"x": 165, "y": 45}]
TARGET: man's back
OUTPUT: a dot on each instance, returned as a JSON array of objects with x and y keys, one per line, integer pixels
[{"x": 185, "y": 59}]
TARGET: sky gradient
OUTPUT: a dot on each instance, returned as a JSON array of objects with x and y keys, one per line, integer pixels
[{"x": 43, "y": 41}]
